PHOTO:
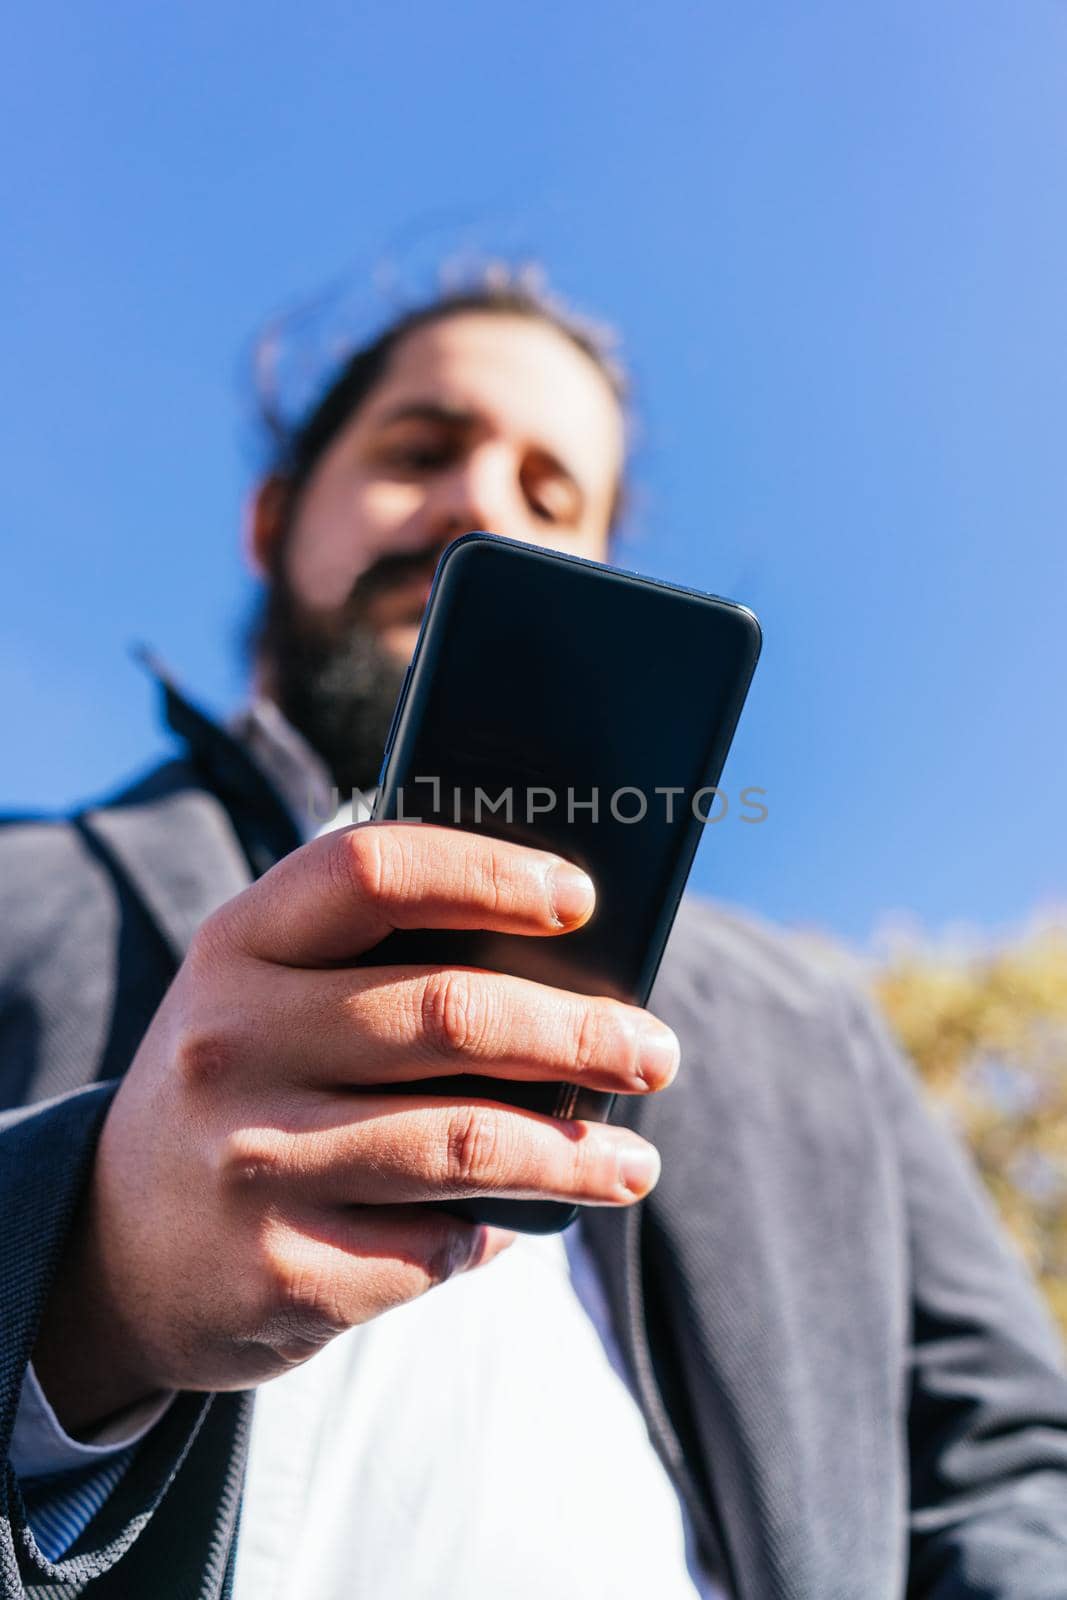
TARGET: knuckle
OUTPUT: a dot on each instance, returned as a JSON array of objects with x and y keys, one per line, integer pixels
[
  {"x": 374, "y": 862},
  {"x": 455, "y": 1014},
  {"x": 304, "y": 1307},
  {"x": 584, "y": 1174},
  {"x": 474, "y": 1148},
  {"x": 588, "y": 1036},
  {"x": 355, "y": 862},
  {"x": 204, "y": 1056},
  {"x": 208, "y": 947},
  {"x": 214, "y": 928},
  {"x": 452, "y": 1254},
  {"x": 249, "y": 1160},
  {"x": 493, "y": 879}
]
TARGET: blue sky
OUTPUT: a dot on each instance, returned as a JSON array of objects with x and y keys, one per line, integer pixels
[{"x": 835, "y": 239}]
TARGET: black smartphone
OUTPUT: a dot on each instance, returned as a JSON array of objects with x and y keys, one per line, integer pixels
[{"x": 577, "y": 708}]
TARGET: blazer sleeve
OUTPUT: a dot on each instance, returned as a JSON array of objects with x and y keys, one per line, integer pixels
[
  {"x": 987, "y": 1424},
  {"x": 170, "y": 1523}
]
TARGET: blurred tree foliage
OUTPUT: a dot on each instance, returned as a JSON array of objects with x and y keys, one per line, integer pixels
[{"x": 989, "y": 1036}]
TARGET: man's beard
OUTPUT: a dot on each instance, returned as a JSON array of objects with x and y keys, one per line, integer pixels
[{"x": 331, "y": 677}]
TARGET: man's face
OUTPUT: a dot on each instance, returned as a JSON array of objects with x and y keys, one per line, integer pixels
[
  {"x": 489, "y": 422},
  {"x": 481, "y": 421}
]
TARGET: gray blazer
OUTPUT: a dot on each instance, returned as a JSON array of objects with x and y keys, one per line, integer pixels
[{"x": 845, "y": 1369}]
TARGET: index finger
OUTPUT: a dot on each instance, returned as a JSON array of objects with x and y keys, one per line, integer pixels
[{"x": 340, "y": 895}]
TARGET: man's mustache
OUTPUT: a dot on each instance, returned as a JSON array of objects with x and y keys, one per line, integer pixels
[{"x": 392, "y": 571}]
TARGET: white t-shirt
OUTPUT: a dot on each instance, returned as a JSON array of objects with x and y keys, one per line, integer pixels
[{"x": 476, "y": 1443}]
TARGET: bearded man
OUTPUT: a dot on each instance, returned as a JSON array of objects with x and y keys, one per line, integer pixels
[{"x": 802, "y": 1365}]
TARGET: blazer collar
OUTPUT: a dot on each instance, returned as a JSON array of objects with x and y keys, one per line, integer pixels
[{"x": 264, "y": 824}]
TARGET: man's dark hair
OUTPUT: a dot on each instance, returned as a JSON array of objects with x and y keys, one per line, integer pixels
[{"x": 297, "y": 449}]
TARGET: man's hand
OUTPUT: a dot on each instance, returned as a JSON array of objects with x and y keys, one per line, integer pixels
[{"x": 252, "y": 1196}]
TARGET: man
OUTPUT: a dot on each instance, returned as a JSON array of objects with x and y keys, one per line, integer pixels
[{"x": 849, "y": 1384}]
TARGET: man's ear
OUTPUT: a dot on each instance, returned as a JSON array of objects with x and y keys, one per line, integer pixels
[{"x": 264, "y": 518}]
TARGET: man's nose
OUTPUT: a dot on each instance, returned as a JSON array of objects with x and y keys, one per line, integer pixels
[{"x": 476, "y": 493}]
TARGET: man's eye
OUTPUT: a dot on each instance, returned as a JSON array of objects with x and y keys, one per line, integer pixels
[
  {"x": 420, "y": 457},
  {"x": 552, "y": 502},
  {"x": 544, "y": 511},
  {"x": 550, "y": 494}
]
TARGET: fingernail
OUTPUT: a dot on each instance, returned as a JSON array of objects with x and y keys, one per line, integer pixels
[
  {"x": 570, "y": 893},
  {"x": 658, "y": 1056},
  {"x": 639, "y": 1167}
]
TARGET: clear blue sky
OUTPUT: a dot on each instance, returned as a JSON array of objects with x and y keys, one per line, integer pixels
[{"x": 835, "y": 238}]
